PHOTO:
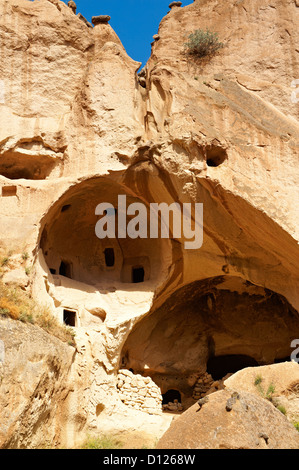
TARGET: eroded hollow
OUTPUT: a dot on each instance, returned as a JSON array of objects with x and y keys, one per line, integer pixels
[
  {"x": 27, "y": 162},
  {"x": 219, "y": 324},
  {"x": 72, "y": 249},
  {"x": 215, "y": 155}
]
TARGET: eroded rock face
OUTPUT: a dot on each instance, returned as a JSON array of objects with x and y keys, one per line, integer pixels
[
  {"x": 210, "y": 325},
  {"x": 228, "y": 421},
  {"x": 279, "y": 382},
  {"x": 79, "y": 127},
  {"x": 34, "y": 382}
]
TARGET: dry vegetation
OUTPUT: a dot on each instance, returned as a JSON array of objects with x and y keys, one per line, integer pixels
[
  {"x": 17, "y": 304},
  {"x": 203, "y": 43}
]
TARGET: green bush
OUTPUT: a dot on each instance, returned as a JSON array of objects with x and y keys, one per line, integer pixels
[
  {"x": 203, "y": 43},
  {"x": 282, "y": 409},
  {"x": 258, "y": 380},
  {"x": 270, "y": 391}
]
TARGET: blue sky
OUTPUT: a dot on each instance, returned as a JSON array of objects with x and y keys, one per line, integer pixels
[{"x": 134, "y": 21}]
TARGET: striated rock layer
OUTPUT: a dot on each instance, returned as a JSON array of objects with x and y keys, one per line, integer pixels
[
  {"x": 35, "y": 392},
  {"x": 79, "y": 127}
]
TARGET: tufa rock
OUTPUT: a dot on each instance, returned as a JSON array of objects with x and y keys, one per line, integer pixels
[
  {"x": 282, "y": 379},
  {"x": 250, "y": 419},
  {"x": 101, "y": 19},
  {"x": 33, "y": 386},
  {"x": 72, "y": 6},
  {"x": 82, "y": 18},
  {"x": 175, "y": 4},
  {"x": 76, "y": 128}
]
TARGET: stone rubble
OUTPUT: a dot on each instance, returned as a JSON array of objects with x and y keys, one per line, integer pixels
[
  {"x": 206, "y": 385},
  {"x": 173, "y": 406},
  {"x": 139, "y": 392}
]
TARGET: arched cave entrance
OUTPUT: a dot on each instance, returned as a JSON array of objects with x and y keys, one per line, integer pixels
[
  {"x": 217, "y": 325},
  {"x": 72, "y": 249},
  {"x": 170, "y": 396}
]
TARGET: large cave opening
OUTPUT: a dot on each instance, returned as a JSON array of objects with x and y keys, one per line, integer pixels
[
  {"x": 208, "y": 329},
  {"x": 31, "y": 160},
  {"x": 73, "y": 250}
]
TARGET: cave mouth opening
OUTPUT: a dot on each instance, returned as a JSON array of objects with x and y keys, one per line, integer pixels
[
  {"x": 70, "y": 245},
  {"x": 219, "y": 366},
  {"x": 208, "y": 329},
  {"x": 170, "y": 396}
]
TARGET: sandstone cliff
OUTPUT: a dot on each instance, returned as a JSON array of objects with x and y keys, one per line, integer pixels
[{"x": 79, "y": 126}]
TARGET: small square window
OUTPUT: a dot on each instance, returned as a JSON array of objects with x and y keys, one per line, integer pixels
[
  {"x": 109, "y": 257},
  {"x": 137, "y": 274},
  {"x": 8, "y": 191},
  {"x": 69, "y": 317}
]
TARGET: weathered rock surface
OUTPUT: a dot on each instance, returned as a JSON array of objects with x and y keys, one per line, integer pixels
[
  {"x": 283, "y": 380},
  {"x": 280, "y": 375},
  {"x": 78, "y": 127},
  {"x": 34, "y": 386},
  {"x": 226, "y": 422},
  {"x": 16, "y": 277}
]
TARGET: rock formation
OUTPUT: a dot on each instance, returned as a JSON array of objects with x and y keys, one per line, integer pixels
[
  {"x": 79, "y": 127},
  {"x": 257, "y": 409},
  {"x": 278, "y": 383},
  {"x": 34, "y": 389},
  {"x": 243, "y": 421}
]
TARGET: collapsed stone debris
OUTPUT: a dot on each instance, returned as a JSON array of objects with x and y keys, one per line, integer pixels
[
  {"x": 206, "y": 385},
  {"x": 139, "y": 392},
  {"x": 173, "y": 406}
]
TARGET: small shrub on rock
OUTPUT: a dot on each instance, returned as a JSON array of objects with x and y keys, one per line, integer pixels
[{"x": 203, "y": 43}]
